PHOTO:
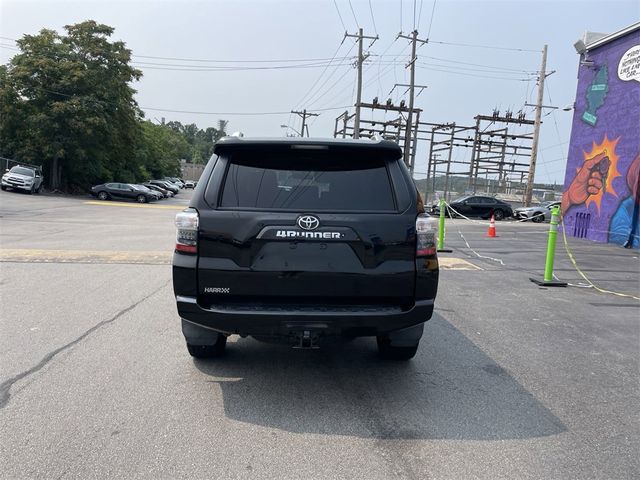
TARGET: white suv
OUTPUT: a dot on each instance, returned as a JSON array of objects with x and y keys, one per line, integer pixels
[{"x": 23, "y": 178}]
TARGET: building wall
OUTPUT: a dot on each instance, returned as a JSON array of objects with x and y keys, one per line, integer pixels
[
  {"x": 600, "y": 199},
  {"x": 191, "y": 171}
]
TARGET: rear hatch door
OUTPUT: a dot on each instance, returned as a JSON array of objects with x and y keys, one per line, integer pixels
[{"x": 307, "y": 227}]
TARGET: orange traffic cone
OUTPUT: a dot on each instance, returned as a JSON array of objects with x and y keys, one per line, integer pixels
[{"x": 492, "y": 228}]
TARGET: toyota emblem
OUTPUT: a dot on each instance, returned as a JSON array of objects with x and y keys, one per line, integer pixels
[{"x": 308, "y": 222}]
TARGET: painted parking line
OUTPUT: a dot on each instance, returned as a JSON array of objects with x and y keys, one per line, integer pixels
[
  {"x": 136, "y": 205},
  {"x": 450, "y": 263},
  {"x": 85, "y": 256}
]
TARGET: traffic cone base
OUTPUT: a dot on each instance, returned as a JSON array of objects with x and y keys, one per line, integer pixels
[{"x": 491, "y": 233}]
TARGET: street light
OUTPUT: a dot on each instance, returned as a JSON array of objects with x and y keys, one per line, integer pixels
[{"x": 287, "y": 126}]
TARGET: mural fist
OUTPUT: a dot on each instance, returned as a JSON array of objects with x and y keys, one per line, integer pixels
[{"x": 590, "y": 180}]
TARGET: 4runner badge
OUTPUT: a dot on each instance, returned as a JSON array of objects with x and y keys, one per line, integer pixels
[{"x": 308, "y": 222}]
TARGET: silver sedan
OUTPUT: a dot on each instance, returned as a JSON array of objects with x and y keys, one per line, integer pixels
[{"x": 538, "y": 213}]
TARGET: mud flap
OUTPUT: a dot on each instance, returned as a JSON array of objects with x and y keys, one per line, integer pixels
[
  {"x": 197, "y": 335},
  {"x": 406, "y": 337}
]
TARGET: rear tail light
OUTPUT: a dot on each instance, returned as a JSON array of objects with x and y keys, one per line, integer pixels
[
  {"x": 419, "y": 202},
  {"x": 187, "y": 231},
  {"x": 426, "y": 228}
]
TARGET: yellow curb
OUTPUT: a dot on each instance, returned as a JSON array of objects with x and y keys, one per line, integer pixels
[
  {"x": 136, "y": 205},
  {"x": 85, "y": 256}
]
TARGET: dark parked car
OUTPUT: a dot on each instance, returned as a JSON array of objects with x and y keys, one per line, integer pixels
[
  {"x": 165, "y": 193},
  {"x": 166, "y": 185},
  {"x": 123, "y": 191},
  {"x": 144, "y": 188},
  {"x": 478, "y": 206},
  {"x": 299, "y": 239}
]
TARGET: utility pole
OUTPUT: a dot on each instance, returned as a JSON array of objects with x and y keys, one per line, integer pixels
[
  {"x": 536, "y": 129},
  {"x": 412, "y": 64},
  {"x": 361, "y": 58},
  {"x": 304, "y": 114}
]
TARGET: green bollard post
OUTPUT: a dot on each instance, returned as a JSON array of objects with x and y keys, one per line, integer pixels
[
  {"x": 548, "y": 280},
  {"x": 551, "y": 244},
  {"x": 441, "y": 228}
]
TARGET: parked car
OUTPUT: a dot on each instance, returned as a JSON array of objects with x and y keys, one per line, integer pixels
[
  {"x": 166, "y": 185},
  {"x": 165, "y": 193},
  {"x": 189, "y": 184},
  {"x": 28, "y": 179},
  {"x": 123, "y": 191},
  {"x": 302, "y": 239},
  {"x": 538, "y": 213},
  {"x": 144, "y": 188},
  {"x": 478, "y": 206},
  {"x": 176, "y": 181}
]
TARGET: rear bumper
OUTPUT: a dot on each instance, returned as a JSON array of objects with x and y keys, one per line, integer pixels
[{"x": 272, "y": 321}]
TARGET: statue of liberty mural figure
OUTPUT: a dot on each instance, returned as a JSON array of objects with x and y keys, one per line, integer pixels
[{"x": 623, "y": 228}]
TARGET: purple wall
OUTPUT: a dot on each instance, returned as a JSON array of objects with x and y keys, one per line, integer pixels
[{"x": 600, "y": 200}]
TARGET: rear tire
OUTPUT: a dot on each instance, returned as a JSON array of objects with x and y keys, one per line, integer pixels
[
  {"x": 395, "y": 353},
  {"x": 537, "y": 218},
  {"x": 498, "y": 214},
  {"x": 208, "y": 351}
]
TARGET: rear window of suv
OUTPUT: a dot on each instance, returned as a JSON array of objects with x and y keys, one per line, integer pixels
[{"x": 307, "y": 184}]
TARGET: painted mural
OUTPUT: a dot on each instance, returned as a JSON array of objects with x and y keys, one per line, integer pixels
[{"x": 601, "y": 198}]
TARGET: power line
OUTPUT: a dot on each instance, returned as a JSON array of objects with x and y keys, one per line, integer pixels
[
  {"x": 420, "y": 13},
  {"x": 340, "y": 15},
  {"x": 506, "y": 69},
  {"x": 204, "y": 60},
  {"x": 433, "y": 9},
  {"x": 156, "y": 109},
  {"x": 315, "y": 100},
  {"x": 304, "y": 97},
  {"x": 239, "y": 113},
  {"x": 455, "y": 72},
  {"x": 470, "y": 69},
  {"x": 484, "y": 46},
  {"x": 354, "y": 14},
  {"x": 283, "y": 60},
  {"x": 373, "y": 20},
  {"x": 178, "y": 68},
  {"x": 326, "y": 80}
]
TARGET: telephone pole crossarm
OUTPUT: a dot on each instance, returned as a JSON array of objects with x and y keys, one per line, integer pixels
[{"x": 304, "y": 114}]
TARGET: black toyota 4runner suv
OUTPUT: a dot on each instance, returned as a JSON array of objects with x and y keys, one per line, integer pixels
[{"x": 297, "y": 239}]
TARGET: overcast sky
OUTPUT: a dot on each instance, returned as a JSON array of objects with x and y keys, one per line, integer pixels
[{"x": 463, "y": 81}]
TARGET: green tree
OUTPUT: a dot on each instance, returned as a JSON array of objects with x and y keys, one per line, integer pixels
[
  {"x": 67, "y": 104},
  {"x": 160, "y": 150}
]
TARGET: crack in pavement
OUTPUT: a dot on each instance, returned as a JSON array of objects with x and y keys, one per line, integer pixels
[{"x": 5, "y": 387}]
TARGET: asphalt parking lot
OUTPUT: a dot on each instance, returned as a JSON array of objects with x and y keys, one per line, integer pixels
[{"x": 511, "y": 380}]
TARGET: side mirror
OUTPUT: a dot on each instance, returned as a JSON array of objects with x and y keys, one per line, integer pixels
[{"x": 6, "y": 170}]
